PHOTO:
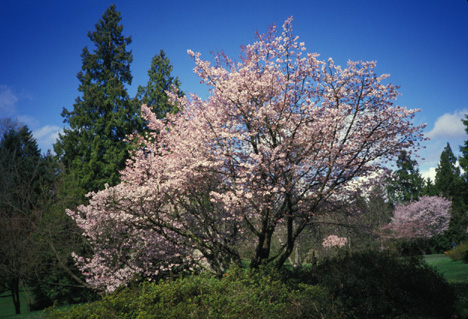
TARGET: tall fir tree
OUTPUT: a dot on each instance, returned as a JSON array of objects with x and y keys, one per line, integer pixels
[
  {"x": 160, "y": 81},
  {"x": 93, "y": 150},
  {"x": 463, "y": 160},
  {"x": 447, "y": 179},
  {"x": 449, "y": 184},
  {"x": 408, "y": 183}
]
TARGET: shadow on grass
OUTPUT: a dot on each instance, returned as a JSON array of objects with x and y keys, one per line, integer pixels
[
  {"x": 7, "y": 309},
  {"x": 456, "y": 273}
]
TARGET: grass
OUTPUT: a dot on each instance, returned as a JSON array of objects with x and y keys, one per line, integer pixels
[
  {"x": 456, "y": 273},
  {"x": 7, "y": 309}
]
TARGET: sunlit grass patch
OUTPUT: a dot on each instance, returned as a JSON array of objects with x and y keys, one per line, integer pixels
[{"x": 455, "y": 272}]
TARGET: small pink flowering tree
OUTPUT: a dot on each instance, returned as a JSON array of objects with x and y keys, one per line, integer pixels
[
  {"x": 424, "y": 218},
  {"x": 334, "y": 241},
  {"x": 281, "y": 135}
]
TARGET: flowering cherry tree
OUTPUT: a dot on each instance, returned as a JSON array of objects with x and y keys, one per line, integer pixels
[
  {"x": 334, "y": 241},
  {"x": 281, "y": 135},
  {"x": 425, "y": 218}
]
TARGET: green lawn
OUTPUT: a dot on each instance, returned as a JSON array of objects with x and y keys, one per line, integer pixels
[
  {"x": 7, "y": 309},
  {"x": 456, "y": 273}
]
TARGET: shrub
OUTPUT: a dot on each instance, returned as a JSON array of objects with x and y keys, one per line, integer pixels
[
  {"x": 380, "y": 285},
  {"x": 239, "y": 294},
  {"x": 65, "y": 293},
  {"x": 459, "y": 253}
]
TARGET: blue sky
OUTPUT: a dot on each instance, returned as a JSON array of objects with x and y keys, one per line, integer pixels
[{"x": 422, "y": 44}]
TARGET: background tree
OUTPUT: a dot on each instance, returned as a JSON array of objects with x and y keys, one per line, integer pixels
[
  {"x": 280, "y": 139},
  {"x": 90, "y": 153},
  {"x": 424, "y": 218},
  {"x": 463, "y": 160},
  {"x": 447, "y": 179},
  {"x": 408, "y": 184},
  {"x": 449, "y": 184},
  {"x": 429, "y": 188},
  {"x": 22, "y": 179},
  {"x": 56, "y": 279},
  {"x": 372, "y": 211},
  {"x": 160, "y": 81},
  {"x": 93, "y": 149}
]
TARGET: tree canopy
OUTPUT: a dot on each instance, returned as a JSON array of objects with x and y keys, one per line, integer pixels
[{"x": 282, "y": 136}]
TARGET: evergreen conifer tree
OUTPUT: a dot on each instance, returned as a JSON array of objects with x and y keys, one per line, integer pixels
[
  {"x": 449, "y": 184},
  {"x": 447, "y": 180},
  {"x": 463, "y": 160},
  {"x": 409, "y": 183},
  {"x": 464, "y": 150},
  {"x": 93, "y": 149},
  {"x": 429, "y": 188},
  {"x": 160, "y": 80}
]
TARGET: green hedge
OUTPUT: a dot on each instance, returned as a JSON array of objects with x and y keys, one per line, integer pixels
[
  {"x": 362, "y": 285},
  {"x": 240, "y": 294},
  {"x": 381, "y": 285}
]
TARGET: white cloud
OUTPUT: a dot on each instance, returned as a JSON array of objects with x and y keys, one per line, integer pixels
[
  {"x": 7, "y": 101},
  {"x": 429, "y": 173},
  {"x": 46, "y": 136},
  {"x": 449, "y": 125}
]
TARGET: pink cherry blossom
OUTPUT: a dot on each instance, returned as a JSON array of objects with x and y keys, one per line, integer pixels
[
  {"x": 425, "y": 218},
  {"x": 334, "y": 241},
  {"x": 281, "y": 134}
]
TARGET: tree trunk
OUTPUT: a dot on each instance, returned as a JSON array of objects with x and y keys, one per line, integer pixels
[
  {"x": 289, "y": 244},
  {"x": 262, "y": 251},
  {"x": 14, "y": 288}
]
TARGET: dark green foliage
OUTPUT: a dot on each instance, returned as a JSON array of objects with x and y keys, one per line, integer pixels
[
  {"x": 29, "y": 223},
  {"x": 375, "y": 211},
  {"x": 463, "y": 160},
  {"x": 464, "y": 149},
  {"x": 449, "y": 184},
  {"x": 57, "y": 279},
  {"x": 24, "y": 183},
  {"x": 447, "y": 180},
  {"x": 57, "y": 286},
  {"x": 238, "y": 294},
  {"x": 160, "y": 80},
  {"x": 93, "y": 149},
  {"x": 459, "y": 252},
  {"x": 379, "y": 285},
  {"x": 365, "y": 285},
  {"x": 90, "y": 153},
  {"x": 429, "y": 188},
  {"x": 409, "y": 183},
  {"x": 21, "y": 170}
]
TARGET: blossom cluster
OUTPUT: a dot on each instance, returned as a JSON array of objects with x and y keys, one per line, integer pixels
[
  {"x": 334, "y": 241},
  {"x": 424, "y": 218},
  {"x": 281, "y": 134}
]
